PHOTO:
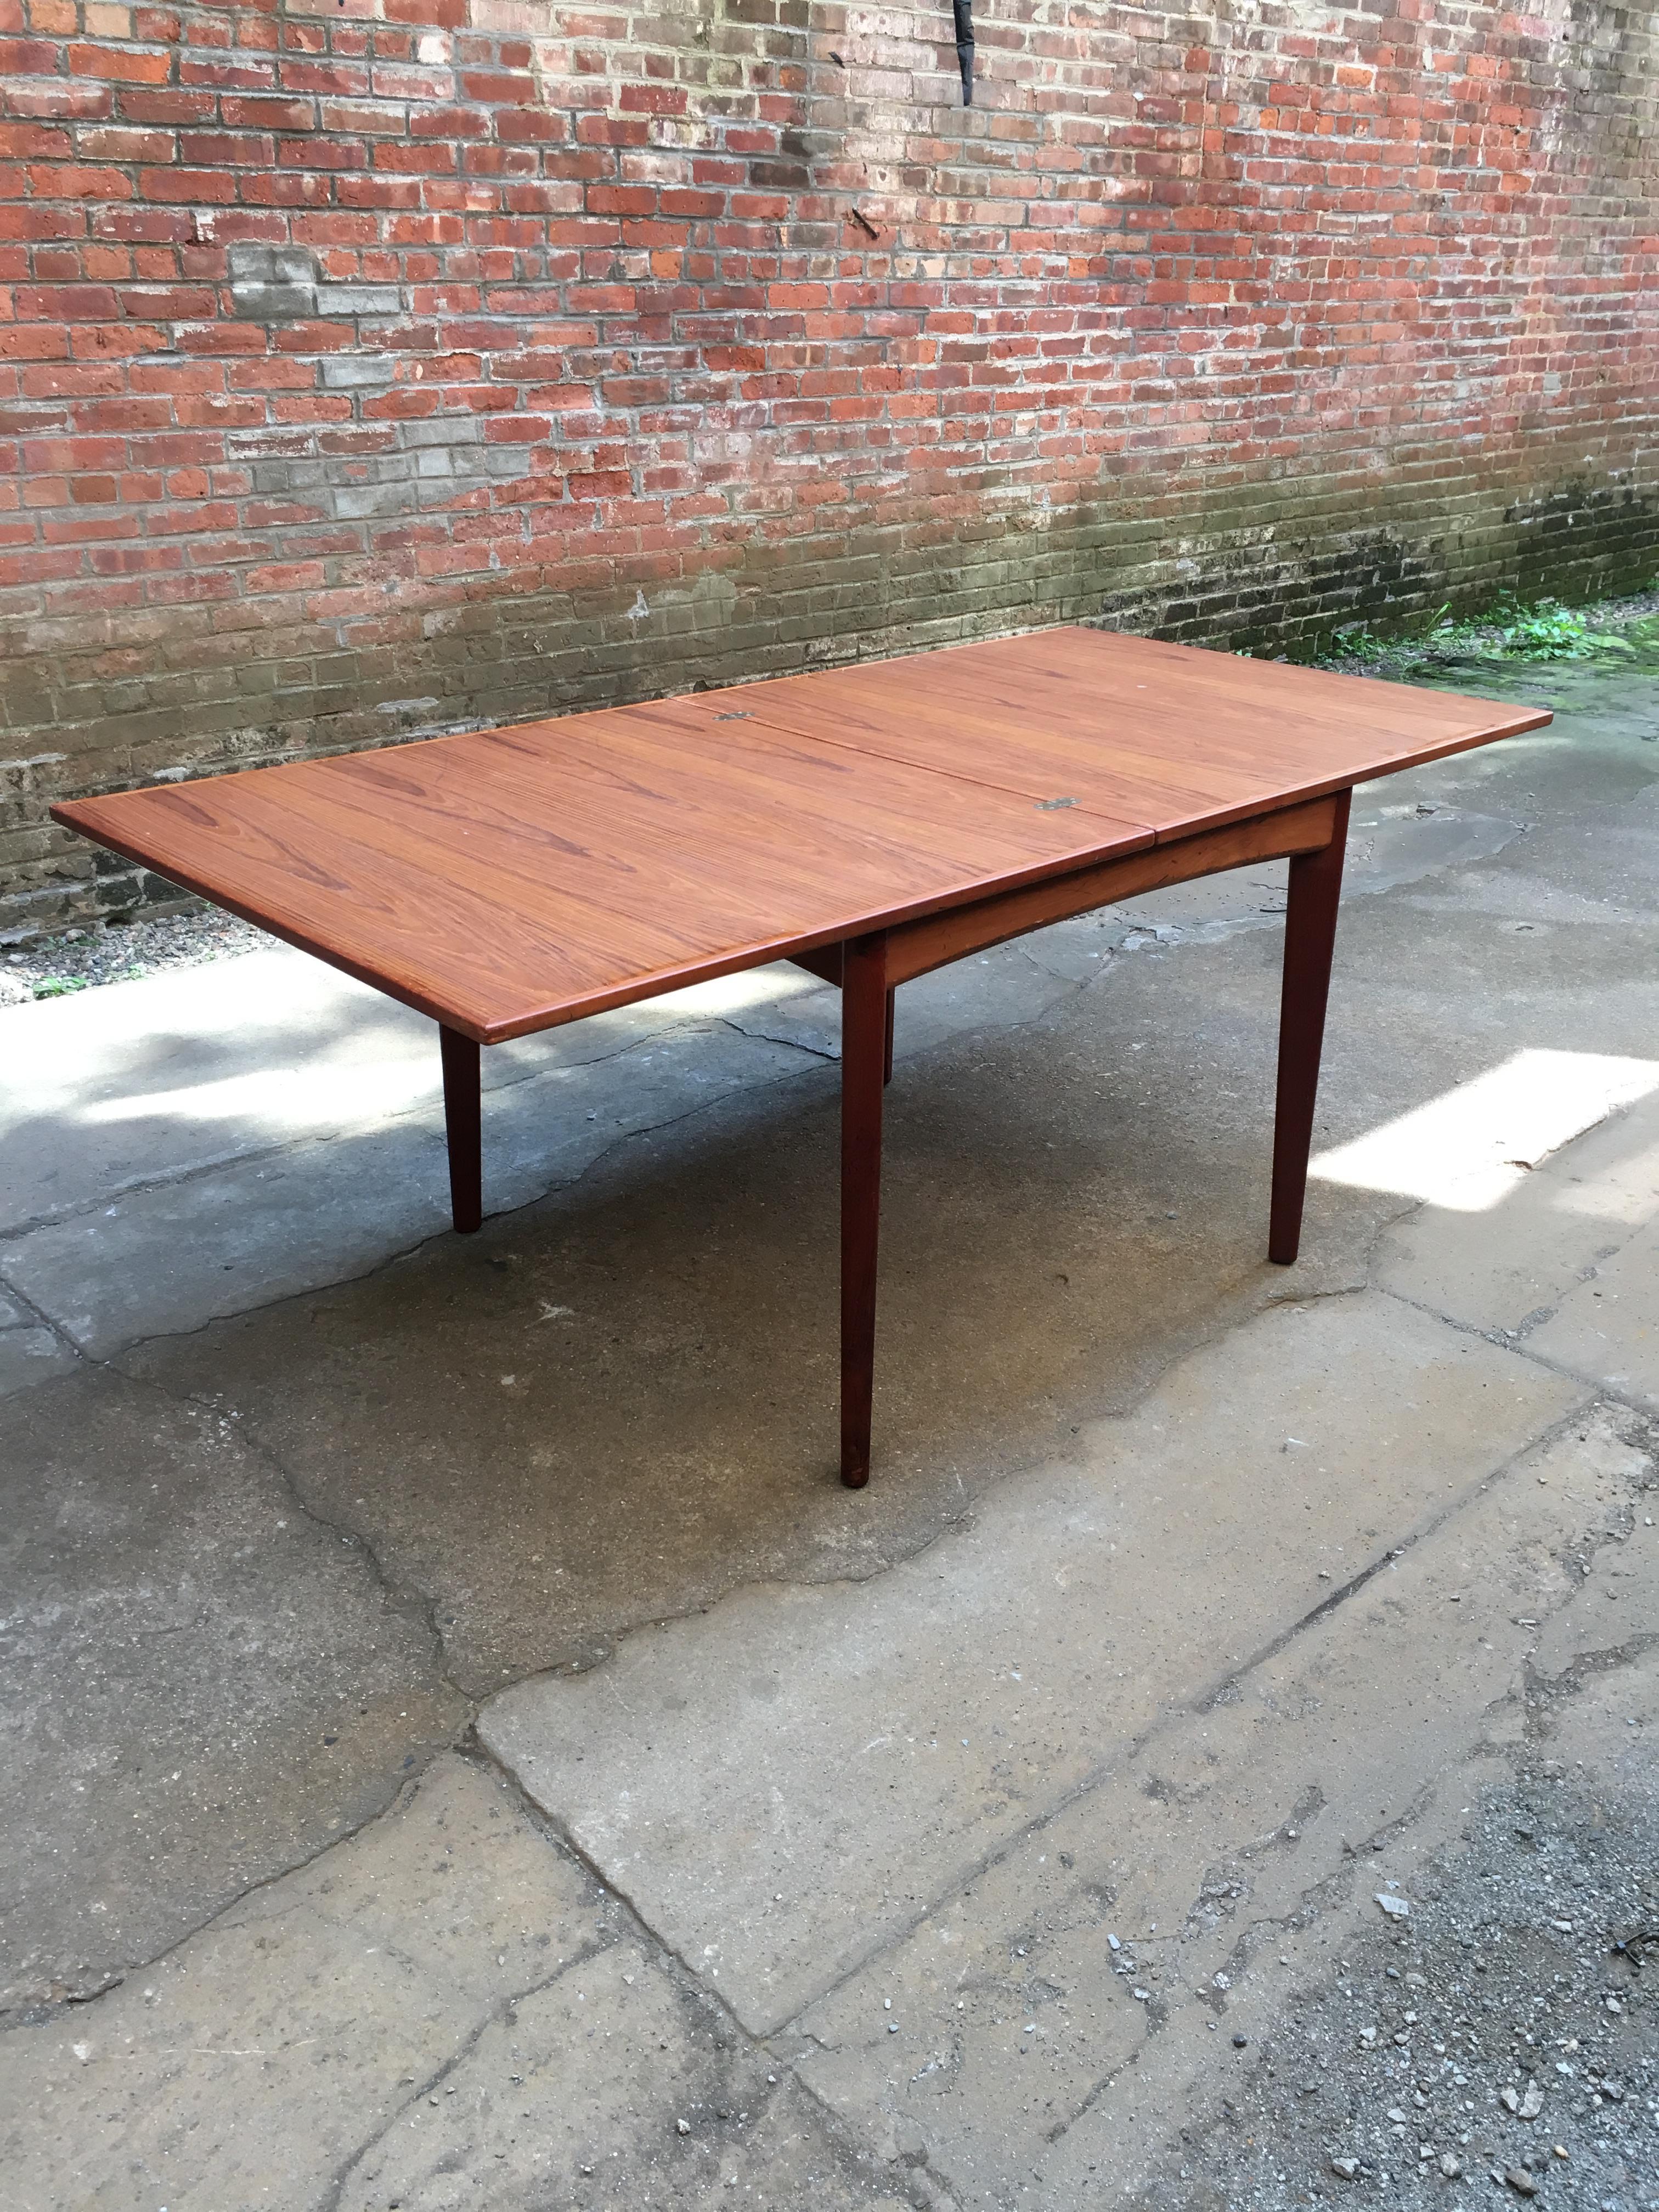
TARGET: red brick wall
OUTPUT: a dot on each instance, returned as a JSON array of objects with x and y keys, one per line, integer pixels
[{"x": 370, "y": 366}]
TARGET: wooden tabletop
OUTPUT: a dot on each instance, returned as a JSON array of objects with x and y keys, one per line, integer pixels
[{"x": 509, "y": 879}]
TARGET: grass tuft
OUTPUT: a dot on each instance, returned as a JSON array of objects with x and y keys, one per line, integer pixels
[{"x": 1510, "y": 629}]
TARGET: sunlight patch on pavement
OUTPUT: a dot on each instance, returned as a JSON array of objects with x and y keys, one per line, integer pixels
[{"x": 1468, "y": 1149}]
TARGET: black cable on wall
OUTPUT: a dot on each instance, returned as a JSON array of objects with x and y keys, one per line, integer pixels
[{"x": 964, "y": 16}]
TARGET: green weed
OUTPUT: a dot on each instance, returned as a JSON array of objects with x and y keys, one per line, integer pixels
[
  {"x": 1510, "y": 629},
  {"x": 1358, "y": 642}
]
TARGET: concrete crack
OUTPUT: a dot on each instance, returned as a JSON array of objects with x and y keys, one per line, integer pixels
[
  {"x": 45, "y": 1320},
  {"x": 312, "y": 1139},
  {"x": 34, "y": 2015},
  {"x": 500, "y": 2011},
  {"x": 760, "y": 1033},
  {"x": 1202, "y": 1700},
  {"x": 688, "y": 1980},
  {"x": 412, "y": 1602},
  {"x": 1594, "y": 1385},
  {"x": 138, "y": 1186},
  {"x": 550, "y": 1825},
  {"x": 405, "y": 1599}
]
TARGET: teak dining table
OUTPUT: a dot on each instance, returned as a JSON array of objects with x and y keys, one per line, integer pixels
[{"x": 868, "y": 823}]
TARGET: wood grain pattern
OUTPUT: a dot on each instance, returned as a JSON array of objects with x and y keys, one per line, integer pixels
[
  {"x": 506, "y": 880},
  {"x": 1176, "y": 737},
  {"x": 509, "y": 879}
]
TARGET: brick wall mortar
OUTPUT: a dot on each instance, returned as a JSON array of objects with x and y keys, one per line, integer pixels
[{"x": 378, "y": 368}]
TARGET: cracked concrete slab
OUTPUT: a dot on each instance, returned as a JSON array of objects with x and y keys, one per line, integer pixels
[
  {"x": 160, "y": 1178},
  {"x": 1495, "y": 2033},
  {"x": 785, "y": 1784},
  {"x": 624, "y": 2090},
  {"x": 670, "y": 1320},
  {"x": 1101, "y": 1131},
  {"x": 1215, "y": 1867},
  {"x": 30, "y": 1353},
  {"x": 329, "y": 2001},
  {"x": 159, "y": 1079},
  {"x": 444, "y": 2005},
  {"x": 204, "y": 1683}
]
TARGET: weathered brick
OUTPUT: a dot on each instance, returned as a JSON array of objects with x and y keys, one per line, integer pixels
[
  {"x": 356, "y": 372},
  {"x": 359, "y": 299},
  {"x": 129, "y": 64}
]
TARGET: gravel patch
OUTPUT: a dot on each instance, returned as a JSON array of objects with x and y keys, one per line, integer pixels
[
  {"x": 1498, "y": 2047},
  {"x": 117, "y": 952}
]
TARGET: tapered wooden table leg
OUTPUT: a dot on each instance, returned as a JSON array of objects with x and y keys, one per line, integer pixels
[
  {"x": 1309, "y": 935},
  {"x": 463, "y": 1128},
  {"x": 887, "y": 1050},
  {"x": 864, "y": 1004}
]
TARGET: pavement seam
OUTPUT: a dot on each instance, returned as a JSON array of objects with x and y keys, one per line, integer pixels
[
  {"x": 468, "y": 1748},
  {"x": 1534, "y": 1689},
  {"x": 552, "y": 1826},
  {"x": 1079, "y": 983},
  {"x": 691, "y": 1983},
  {"x": 961, "y": 1519},
  {"x": 1503, "y": 1339},
  {"x": 1239, "y": 1311},
  {"x": 20, "y": 2017},
  {"x": 1201, "y": 1701},
  {"x": 54, "y": 1327},
  {"x": 411, "y": 1603},
  {"x": 1236, "y": 1316},
  {"x": 415, "y": 1603},
  {"x": 1329, "y": 1891},
  {"x": 140, "y": 1186}
]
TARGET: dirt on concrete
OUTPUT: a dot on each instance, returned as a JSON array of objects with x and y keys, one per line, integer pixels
[
  {"x": 1501, "y": 2045},
  {"x": 1492, "y": 2037}
]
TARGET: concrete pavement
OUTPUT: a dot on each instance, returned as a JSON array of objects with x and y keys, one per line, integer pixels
[{"x": 462, "y": 1747}]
